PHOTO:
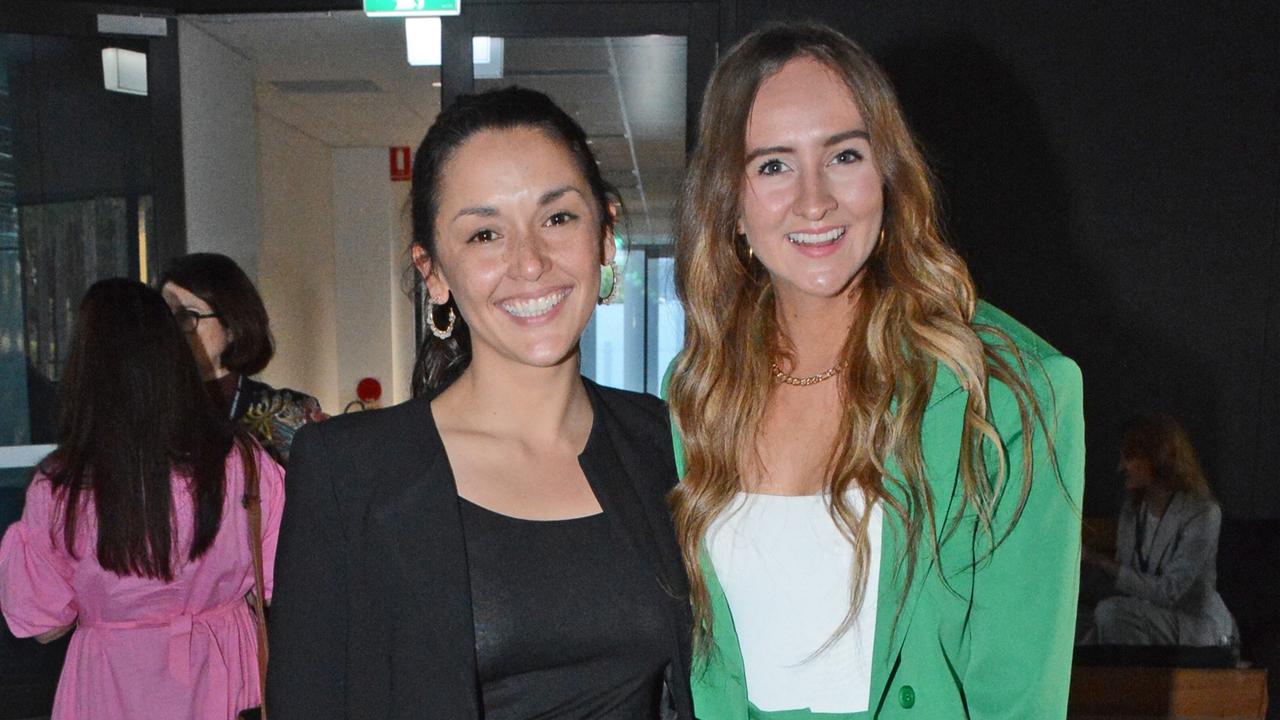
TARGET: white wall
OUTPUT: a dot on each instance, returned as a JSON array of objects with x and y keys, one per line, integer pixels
[
  {"x": 321, "y": 230},
  {"x": 374, "y": 316},
  {"x": 297, "y": 278},
  {"x": 219, "y": 148}
]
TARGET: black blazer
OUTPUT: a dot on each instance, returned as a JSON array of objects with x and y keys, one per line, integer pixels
[{"x": 371, "y": 610}]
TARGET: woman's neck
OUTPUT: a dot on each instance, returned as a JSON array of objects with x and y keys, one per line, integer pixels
[
  {"x": 816, "y": 329},
  {"x": 1158, "y": 499},
  {"x": 499, "y": 397}
]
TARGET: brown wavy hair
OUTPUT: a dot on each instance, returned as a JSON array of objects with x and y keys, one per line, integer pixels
[
  {"x": 918, "y": 303},
  {"x": 1162, "y": 441}
]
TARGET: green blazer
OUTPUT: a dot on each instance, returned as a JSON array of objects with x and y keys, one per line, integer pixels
[{"x": 995, "y": 639}]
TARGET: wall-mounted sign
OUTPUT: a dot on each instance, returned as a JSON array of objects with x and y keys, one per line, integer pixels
[
  {"x": 401, "y": 164},
  {"x": 411, "y": 8}
]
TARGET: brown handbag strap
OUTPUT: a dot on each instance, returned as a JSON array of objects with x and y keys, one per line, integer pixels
[{"x": 253, "y": 502}]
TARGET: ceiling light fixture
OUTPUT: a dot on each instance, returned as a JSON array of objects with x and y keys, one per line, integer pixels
[
  {"x": 124, "y": 71},
  {"x": 422, "y": 38}
]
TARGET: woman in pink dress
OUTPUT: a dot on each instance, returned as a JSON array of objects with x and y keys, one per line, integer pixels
[{"x": 135, "y": 532}]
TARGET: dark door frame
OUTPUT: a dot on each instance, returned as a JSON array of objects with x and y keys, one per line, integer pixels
[{"x": 75, "y": 19}]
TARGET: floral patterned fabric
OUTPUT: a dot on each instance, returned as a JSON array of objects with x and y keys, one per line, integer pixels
[{"x": 274, "y": 415}]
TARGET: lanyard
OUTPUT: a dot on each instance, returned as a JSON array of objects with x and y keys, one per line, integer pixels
[
  {"x": 1140, "y": 538},
  {"x": 235, "y": 400}
]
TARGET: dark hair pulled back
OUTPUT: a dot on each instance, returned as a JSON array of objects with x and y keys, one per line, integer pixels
[{"x": 439, "y": 361}]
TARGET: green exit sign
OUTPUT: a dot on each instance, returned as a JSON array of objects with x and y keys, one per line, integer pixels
[{"x": 411, "y": 8}]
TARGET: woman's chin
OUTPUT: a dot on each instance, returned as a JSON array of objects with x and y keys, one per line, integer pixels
[{"x": 546, "y": 353}]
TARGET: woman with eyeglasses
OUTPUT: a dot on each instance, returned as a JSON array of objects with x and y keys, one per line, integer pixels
[{"x": 226, "y": 324}]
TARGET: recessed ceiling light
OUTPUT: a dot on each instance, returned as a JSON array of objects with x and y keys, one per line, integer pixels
[
  {"x": 437, "y": 83},
  {"x": 422, "y": 37}
]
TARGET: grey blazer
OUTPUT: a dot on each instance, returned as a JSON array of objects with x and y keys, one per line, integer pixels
[{"x": 1181, "y": 572}]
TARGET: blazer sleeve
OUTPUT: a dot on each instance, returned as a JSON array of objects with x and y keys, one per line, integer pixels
[
  {"x": 1197, "y": 546},
  {"x": 306, "y": 677},
  {"x": 1025, "y": 590},
  {"x": 677, "y": 443}
]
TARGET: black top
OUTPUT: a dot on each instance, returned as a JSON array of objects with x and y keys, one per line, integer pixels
[
  {"x": 567, "y": 623},
  {"x": 371, "y": 616}
]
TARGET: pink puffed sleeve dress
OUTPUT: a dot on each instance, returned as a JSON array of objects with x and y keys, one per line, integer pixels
[{"x": 144, "y": 648}]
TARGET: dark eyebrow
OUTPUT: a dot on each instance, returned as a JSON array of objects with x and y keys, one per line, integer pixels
[
  {"x": 847, "y": 135},
  {"x": 833, "y": 140},
  {"x": 771, "y": 150},
  {"x": 547, "y": 198},
  {"x": 551, "y": 196},
  {"x": 477, "y": 211}
]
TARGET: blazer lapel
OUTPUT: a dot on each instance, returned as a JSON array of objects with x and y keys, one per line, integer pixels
[
  {"x": 940, "y": 434},
  {"x": 616, "y": 463},
  {"x": 613, "y": 465},
  {"x": 1166, "y": 531},
  {"x": 434, "y": 647},
  {"x": 940, "y": 431}
]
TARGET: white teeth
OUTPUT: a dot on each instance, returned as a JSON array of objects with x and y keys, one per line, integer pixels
[
  {"x": 815, "y": 238},
  {"x": 536, "y": 306}
]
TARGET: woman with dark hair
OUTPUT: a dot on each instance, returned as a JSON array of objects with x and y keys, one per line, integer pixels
[
  {"x": 226, "y": 324},
  {"x": 134, "y": 529},
  {"x": 881, "y": 472},
  {"x": 1165, "y": 568},
  {"x": 499, "y": 546}
]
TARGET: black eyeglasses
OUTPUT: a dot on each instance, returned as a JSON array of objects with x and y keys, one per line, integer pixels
[{"x": 189, "y": 320}]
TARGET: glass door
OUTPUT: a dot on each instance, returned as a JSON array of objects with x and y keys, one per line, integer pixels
[
  {"x": 631, "y": 74},
  {"x": 90, "y": 184}
]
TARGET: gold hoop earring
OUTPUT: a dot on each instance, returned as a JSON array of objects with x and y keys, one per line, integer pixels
[
  {"x": 609, "y": 283},
  {"x": 442, "y": 333}
]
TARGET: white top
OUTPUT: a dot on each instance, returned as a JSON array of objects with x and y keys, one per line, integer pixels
[{"x": 787, "y": 573}]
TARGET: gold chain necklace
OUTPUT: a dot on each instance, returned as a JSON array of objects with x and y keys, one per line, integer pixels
[{"x": 785, "y": 377}]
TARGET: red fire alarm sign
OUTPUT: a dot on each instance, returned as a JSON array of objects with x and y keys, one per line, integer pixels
[{"x": 401, "y": 164}]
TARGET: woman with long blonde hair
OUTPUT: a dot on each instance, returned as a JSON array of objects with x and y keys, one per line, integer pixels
[{"x": 880, "y": 472}]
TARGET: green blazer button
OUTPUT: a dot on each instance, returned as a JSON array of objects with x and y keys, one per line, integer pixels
[{"x": 906, "y": 696}]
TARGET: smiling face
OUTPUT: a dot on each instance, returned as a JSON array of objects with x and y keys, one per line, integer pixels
[
  {"x": 519, "y": 246},
  {"x": 813, "y": 199}
]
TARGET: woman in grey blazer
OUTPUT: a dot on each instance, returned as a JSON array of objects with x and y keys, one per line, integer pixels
[{"x": 1165, "y": 567}]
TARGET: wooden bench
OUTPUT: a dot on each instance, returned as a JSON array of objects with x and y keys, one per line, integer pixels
[{"x": 1129, "y": 693}]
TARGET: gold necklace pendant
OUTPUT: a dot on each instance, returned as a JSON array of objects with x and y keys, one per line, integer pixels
[{"x": 784, "y": 377}]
